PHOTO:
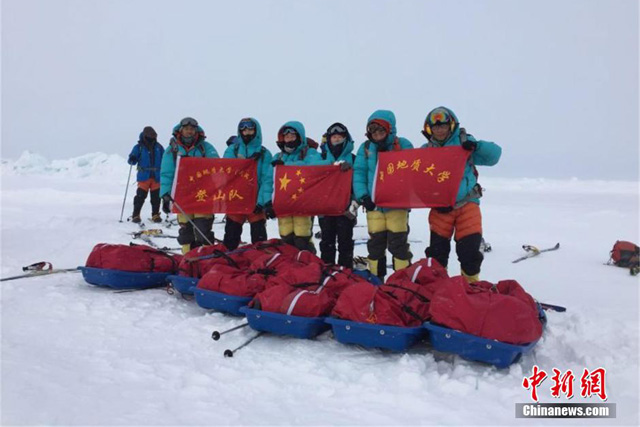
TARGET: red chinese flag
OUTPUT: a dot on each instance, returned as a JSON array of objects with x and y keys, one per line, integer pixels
[
  {"x": 311, "y": 190},
  {"x": 207, "y": 186},
  {"x": 419, "y": 178}
]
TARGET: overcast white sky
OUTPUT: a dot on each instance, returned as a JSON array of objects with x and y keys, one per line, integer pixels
[{"x": 555, "y": 83}]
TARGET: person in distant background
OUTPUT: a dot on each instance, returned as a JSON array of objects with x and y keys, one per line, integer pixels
[
  {"x": 147, "y": 154},
  {"x": 442, "y": 129},
  {"x": 248, "y": 145},
  {"x": 188, "y": 140}
]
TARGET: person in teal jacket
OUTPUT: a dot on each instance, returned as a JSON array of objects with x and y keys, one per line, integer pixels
[
  {"x": 388, "y": 228},
  {"x": 442, "y": 129},
  {"x": 188, "y": 141},
  {"x": 248, "y": 145},
  {"x": 292, "y": 141},
  {"x": 337, "y": 149}
]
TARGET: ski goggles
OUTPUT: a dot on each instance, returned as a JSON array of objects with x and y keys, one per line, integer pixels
[
  {"x": 439, "y": 115},
  {"x": 246, "y": 124},
  {"x": 287, "y": 131},
  {"x": 337, "y": 129},
  {"x": 188, "y": 121},
  {"x": 375, "y": 128}
]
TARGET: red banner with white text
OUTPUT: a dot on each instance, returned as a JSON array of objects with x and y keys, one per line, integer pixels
[
  {"x": 419, "y": 178},
  {"x": 207, "y": 186}
]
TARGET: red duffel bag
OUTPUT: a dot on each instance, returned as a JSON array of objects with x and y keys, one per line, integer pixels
[
  {"x": 134, "y": 258},
  {"x": 402, "y": 303},
  {"x": 233, "y": 281},
  {"x": 503, "y": 312},
  {"x": 275, "y": 261},
  {"x": 294, "y": 273},
  {"x": 197, "y": 262},
  {"x": 305, "y": 290},
  {"x": 272, "y": 246},
  {"x": 305, "y": 301},
  {"x": 424, "y": 271},
  {"x": 336, "y": 279}
]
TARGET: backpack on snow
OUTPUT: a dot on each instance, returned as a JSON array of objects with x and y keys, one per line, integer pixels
[{"x": 625, "y": 254}]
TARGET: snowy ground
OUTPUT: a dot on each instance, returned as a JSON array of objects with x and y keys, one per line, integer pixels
[{"x": 75, "y": 354}]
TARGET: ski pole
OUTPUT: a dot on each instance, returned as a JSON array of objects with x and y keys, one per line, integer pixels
[
  {"x": 126, "y": 189},
  {"x": 170, "y": 222},
  {"x": 195, "y": 227},
  {"x": 216, "y": 334},
  {"x": 230, "y": 353},
  {"x": 39, "y": 273}
]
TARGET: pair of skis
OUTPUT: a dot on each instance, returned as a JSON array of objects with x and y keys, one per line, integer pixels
[
  {"x": 146, "y": 235},
  {"x": 152, "y": 232},
  {"x": 532, "y": 251}
]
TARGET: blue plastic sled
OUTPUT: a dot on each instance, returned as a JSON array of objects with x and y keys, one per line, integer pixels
[
  {"x": 369, "y": 335},
  {"x": 475, "y": 348},
  {"x": 283, "y": 324},
  {"x": 225, "y": 303},
  {"x": 184, "y": 285},
  {"x": 117, "y": 279}
]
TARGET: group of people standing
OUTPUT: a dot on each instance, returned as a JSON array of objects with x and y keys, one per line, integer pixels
[{"x": 388, "y": 228}]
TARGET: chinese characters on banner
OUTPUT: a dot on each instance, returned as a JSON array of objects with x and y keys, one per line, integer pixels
[
  {"x": 311, "y": 190},
  {"x": 420, "y": 178},
  {"x": 207, "y": 186}
]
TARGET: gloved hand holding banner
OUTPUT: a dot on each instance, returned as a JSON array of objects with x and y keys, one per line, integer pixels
[
  {"x": 419, "y": 178},
  {"x": 311, "y": 190},
  {"x": 207, "y": 186}
]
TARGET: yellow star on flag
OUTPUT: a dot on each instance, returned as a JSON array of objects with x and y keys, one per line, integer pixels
[
  {"x": 284, "y": 181},
  {"x": 298, "y": 172},
  {"x": 303, "y": 180},
  {"x": 294, "y": 196}
]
